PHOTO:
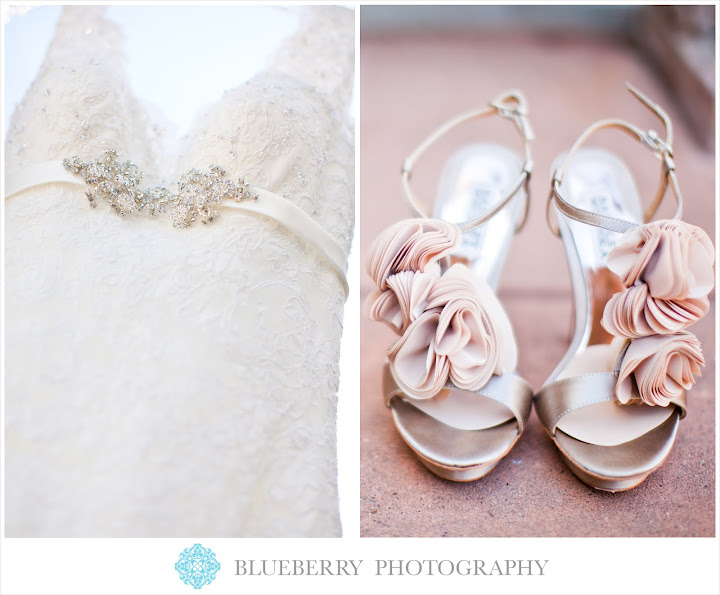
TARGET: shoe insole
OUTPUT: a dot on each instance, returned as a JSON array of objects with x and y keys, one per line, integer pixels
[
  {"x": 464, "y": 410},
  {"x": 477, "y": 178}
]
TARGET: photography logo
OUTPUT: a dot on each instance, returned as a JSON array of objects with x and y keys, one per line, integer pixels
[{"x": 197, "y": 566}]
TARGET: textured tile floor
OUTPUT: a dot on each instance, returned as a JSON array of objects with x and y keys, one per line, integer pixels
[{"x": 411, "y": 84}]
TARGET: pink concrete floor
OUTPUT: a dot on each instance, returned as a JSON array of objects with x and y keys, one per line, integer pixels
[{"x": 411, "y": 84}]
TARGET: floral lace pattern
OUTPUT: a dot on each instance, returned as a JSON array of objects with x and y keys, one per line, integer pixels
[
  {"x": 165, "y": 382},
  {"x": 79, "y": 103},
  {"x": 276, "y": 131}
]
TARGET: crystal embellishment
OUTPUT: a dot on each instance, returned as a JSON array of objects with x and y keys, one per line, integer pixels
[{"x": 119, "y": 185}]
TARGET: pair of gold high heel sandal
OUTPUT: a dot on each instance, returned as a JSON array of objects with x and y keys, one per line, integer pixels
[{"x": 613, "y": 403}]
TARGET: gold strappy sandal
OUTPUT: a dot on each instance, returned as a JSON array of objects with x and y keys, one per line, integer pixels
[
  {"x": 613, "y": 404},
  {"x": 450, "y": 380}
]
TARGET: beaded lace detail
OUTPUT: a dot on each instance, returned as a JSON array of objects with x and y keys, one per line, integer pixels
[
  {"x": 165, "y": 382},
  {"x": 118, "y": 184}
]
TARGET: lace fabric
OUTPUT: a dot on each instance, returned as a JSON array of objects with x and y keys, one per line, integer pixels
[
  {"x": 80, "y": 102},
  {"x": 279, "y": 132},
  {"x": 165, "y": 382}
]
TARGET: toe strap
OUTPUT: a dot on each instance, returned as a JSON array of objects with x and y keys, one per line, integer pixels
[
  {"x": 509, "y": 389},
  {"x": 554, "y": 401}
]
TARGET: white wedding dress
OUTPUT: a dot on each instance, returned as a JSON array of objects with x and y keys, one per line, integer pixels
[{"x": 171, "y": 382}]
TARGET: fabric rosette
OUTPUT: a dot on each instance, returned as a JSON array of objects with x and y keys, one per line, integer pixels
[
  {"x": 403, "y": 263},
  {"x": 410, "y": 245},
  {"x": 463, "y": 335},
  {"x": 404, "y": 300},
  {"x": 635, "y": 313},
  {"x": 673, "y": 258},
  {"x": 662, "y": 367},
  {"x": 667, "y": 270},
  {"x": 451, "y": 324}
]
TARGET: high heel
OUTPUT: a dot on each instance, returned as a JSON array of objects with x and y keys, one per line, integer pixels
[
  {"x": 613, "y": 404},
  {"x": 450, "y": 380}
]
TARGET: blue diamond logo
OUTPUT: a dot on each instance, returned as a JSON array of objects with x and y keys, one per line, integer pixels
[{"x": 197, "y": 566}]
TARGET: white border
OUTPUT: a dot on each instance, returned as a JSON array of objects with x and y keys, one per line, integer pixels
[{"x": 577, "y": 565}]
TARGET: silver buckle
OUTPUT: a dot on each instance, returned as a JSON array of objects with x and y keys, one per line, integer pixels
[{"x": 656, "y": 144}]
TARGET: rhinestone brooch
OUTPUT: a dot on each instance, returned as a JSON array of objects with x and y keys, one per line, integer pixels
[{"x": 118, "y": 184}]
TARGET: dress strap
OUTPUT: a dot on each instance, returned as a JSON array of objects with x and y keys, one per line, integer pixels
[{"x": 267, "y": 204}]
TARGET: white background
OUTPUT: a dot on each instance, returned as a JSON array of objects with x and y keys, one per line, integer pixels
[{"x": 147, "y": 565}]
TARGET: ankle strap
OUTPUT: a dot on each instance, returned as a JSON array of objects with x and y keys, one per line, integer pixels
[
  {"x": 510, "y": 105},
  {"x": 661, "y": 148}
]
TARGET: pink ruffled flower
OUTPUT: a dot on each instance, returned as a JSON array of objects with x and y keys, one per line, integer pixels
[
  {"x": 404, "y": 301},
  {"x": 635, "y": 313},
  {"x": 462, "y": 335},
  {"x": 661, "y": 366},
  {"x": 673, "y": 258},
  {"x": 418, "y": 370},
  {"x": 410, "y": 245}
]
